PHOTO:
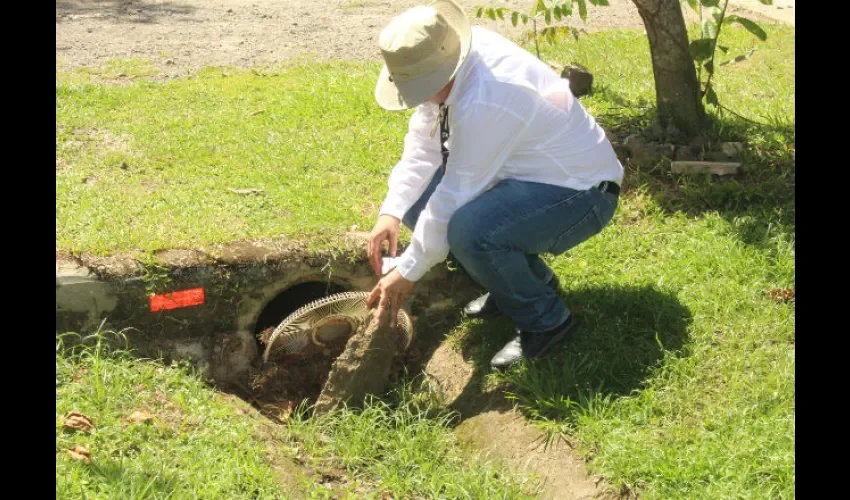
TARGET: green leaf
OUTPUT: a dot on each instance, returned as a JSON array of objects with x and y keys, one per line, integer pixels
[
  {"x": 709, "y": 29},
  {"x": 567, "y": 8},
  {"x": 491, "y": 13},
  {"x": 565, "y": 31},
  {"x": 603, "y": 3},
  {"x": 524, "y": 19},
  {"x": 752, "y": 27},
  {"x": 540, "y": 6},
  {"x": 724, "y": 48},
  {"x": 501, "y": 13},
  {"x": 514, "y": 18},
  {"x": 701, "y": 49},
  {"x": 711, "y": 97},
  {"x": 582, "y": 10},
  {"x": 557, "y": 12},
  {"x": 694, "y": 5},
  {"x": 479, "y": 11},
  {"x": 709, "y": 66},
  {"x": 766, "y": 2},
  {"x": 548, "y": 16},
  {"x": 709, "y": 3}
]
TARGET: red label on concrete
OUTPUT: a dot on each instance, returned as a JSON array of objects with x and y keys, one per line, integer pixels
[{"x": 183, "y": 298}]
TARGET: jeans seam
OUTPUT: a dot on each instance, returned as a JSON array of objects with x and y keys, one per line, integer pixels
[
  {"x": 528, "y": 215},
  {"x": 590, "y": 213}
]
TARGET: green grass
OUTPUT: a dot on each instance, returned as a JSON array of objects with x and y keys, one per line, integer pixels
[
  {"x": 147, "y": 165},
  {"x": 311, "y": 138},
  {"x": 404, "y": 446},
  {"x": 760, "y": 88},
  {"x": 113, "y": 71},
  {"x": 680, "y": 382},
  {"x": 199, "y": 445}
]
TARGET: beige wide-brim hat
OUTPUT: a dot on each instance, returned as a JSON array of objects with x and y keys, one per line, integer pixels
[{"x": 423, "y": 49}]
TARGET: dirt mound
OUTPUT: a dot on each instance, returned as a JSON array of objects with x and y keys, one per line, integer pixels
[
  {"x": 278, "y": 386},
  {"x": 345, "y": 370}
]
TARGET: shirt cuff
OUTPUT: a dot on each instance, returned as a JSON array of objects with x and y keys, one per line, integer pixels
[{"x": 412, "y": 264}]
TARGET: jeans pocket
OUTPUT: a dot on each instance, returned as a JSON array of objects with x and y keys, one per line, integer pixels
[{"x": 590, "y": 225}]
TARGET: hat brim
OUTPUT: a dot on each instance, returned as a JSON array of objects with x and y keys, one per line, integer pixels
[{"x": 396, "y": 96}]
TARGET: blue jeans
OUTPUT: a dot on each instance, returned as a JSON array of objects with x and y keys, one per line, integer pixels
[{"x": 499, "y": 236}]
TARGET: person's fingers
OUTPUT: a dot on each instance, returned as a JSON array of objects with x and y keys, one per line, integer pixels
[
  {"x": 375, "y": 257},
  {"x": 376, "y": 292},
  {"x": 393, "y": 244},
  {"x": 382, "y": 310}
]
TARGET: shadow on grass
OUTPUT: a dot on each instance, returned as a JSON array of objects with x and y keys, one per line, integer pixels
[
  {"x": 758, "y": 202},
  {"x": 622, "y": 117},
  {"x": 125, "y": 11},
  {"x": 622, "y": 333}
]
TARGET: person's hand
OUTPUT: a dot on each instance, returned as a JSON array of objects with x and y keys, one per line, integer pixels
[
  {"x": 389, "y": 294},
  {"x": 386, "y": 229}
]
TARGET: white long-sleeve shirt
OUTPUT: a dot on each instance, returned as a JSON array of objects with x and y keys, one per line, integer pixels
[{"x": 510, "y": 117}]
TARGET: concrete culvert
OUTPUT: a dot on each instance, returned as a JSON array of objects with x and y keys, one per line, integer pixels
[{"x": 212, "y": 307}]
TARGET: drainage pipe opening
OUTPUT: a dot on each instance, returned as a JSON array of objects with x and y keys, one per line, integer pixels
[{"x": 287, "y": 301}]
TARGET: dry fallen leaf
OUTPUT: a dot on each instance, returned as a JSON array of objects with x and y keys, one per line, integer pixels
[
  {"x": 80, "y": 374},
  {"x": 78, "y": 422},
  {"x": 264, "y": 335},
  {"x": 139, "y": 416},
  {"x": 782, "y": 294},
  {"x": 159, "y": 397},
  {"x": 80, "y": 453},
  {"x": 286, "y": 410}
]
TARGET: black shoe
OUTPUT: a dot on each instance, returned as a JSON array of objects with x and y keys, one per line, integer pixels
[
  {"x": 531, "y": 345},
  {"x": 483, "y": 307}
]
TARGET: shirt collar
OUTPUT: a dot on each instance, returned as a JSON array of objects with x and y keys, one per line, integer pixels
[{"x": 461, "y": 78}]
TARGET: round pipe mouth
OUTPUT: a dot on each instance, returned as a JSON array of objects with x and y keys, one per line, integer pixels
[{"x": 290, "y": 299}]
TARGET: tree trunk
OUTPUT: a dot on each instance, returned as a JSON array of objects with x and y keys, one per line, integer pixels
[{"x": 677, "y": 89}]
